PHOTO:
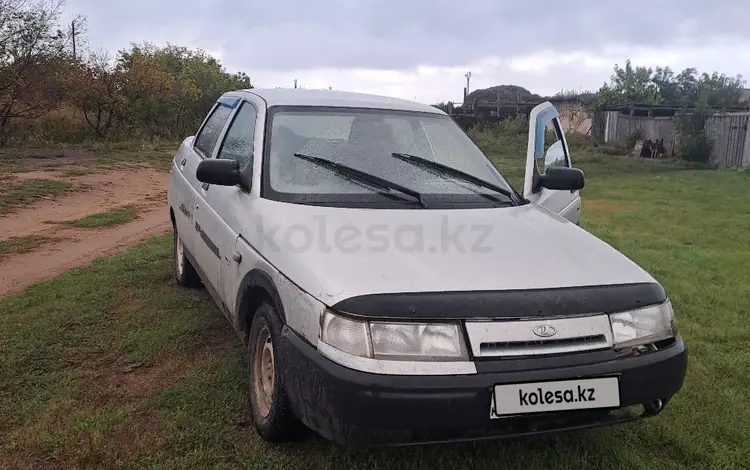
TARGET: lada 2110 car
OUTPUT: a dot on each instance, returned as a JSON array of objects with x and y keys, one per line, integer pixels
[{"x": 393, "y": 287}]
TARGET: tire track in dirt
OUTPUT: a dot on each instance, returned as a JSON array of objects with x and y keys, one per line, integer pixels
[
  {"x": 80, "y": 248},
  {"x": 142, "y": 186},
  {"x": 98, "y": 193}
]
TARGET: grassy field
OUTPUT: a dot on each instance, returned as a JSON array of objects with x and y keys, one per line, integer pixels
[
  {"x": 83, "y": 161},
  {"x": 23, "y": 194},
  {"x": 17, "y": 245},
  {"x": 114, "y": 366},
  {"x": 116, "y": 216}
]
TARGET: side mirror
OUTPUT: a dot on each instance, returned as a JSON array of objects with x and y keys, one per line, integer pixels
[
  {"x": 562, "y": 178},
  {"x": 219, "y": 171}
]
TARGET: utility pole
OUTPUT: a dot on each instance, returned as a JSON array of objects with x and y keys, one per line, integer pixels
[
  {"x": 497, "y": 103},
  {"x": 468, "y": 79},
  {"x": 73, "y": 35},
  {"x": 295, "y": 83}
]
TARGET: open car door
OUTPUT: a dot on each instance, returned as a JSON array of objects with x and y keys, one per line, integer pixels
[{"x": 547, "y": 149}]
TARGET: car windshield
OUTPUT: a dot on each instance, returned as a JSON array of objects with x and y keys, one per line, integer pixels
[{"x": 370, "y": 141}]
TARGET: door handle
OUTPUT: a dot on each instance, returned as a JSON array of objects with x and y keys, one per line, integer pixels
[
  {"x": 205, "y": 186},
  {"x": 237, "y": 256},
  {"x": 183, "y": 162}
]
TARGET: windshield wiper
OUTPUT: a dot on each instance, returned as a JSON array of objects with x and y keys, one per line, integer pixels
[
  {"x": 363, "y": 177},
  {"x": 445, "y": 170}
]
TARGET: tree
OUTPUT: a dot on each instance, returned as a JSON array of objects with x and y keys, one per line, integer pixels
[
  {"x": 143, "y": 91},
  {"x": 32, "y": 60},
  {"x": 95, "y": 89},
  {"x": 629, "y": 85},
  {"x": 172, "y": 88},
  {"x": 688, "y": 89}
]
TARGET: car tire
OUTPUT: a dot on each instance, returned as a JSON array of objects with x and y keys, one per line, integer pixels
[
  {"x": 270, "y": 411},
  {"x": 184, "y": 272}
]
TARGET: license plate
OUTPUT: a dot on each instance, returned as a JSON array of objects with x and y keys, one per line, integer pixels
[{"x": 555, "y": 396}]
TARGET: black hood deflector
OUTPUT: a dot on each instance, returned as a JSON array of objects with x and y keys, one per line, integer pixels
[{"x": 505, "y": 304}]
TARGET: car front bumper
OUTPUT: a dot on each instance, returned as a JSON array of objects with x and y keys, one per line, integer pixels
[{"x": 359, "y": 408}]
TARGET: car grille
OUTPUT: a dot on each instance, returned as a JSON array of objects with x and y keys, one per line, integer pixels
[{"x": 539, "y": 336}]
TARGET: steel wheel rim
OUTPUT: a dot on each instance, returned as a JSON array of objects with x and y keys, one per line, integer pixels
[{"x": 264, "y": 372}]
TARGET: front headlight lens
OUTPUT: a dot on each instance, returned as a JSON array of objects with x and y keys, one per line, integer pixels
[
  {"x": 394, "y": 341},
  {"x": 416, "y": 341},
  {"x": 346, "y": 334},
  {"x": 643, "y": 326}
]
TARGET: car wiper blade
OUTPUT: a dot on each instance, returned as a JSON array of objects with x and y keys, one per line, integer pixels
[
  {"x": 450, "y": 171},
  {"x": 362, "y": 176}
]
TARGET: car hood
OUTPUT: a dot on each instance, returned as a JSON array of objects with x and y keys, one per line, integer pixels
[{"x": 337, "y": 253}]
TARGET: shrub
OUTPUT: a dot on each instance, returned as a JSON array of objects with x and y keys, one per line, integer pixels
[{"x": 695, "y": 146}]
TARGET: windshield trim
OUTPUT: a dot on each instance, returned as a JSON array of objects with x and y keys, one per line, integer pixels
[{"x": 361, "y": 200}]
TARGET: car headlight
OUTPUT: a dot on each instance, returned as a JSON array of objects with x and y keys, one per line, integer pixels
[
  {"x": 643, "y": 326},
  {"x": 394, "y": 341}
]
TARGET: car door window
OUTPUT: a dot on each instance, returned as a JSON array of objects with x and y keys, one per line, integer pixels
[
  {"x": 238, "y": 143},
  {"x": 554, "y": 153},
  {"x": 209, "y": 134}
]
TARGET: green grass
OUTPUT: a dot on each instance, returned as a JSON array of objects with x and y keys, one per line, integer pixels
[
  {"x": 25, "y": 193},
  {"x": 81, "y": 161},
  {"x": 73, "y": 172},
  {"x": 18, "y": 245},
  {"x": 116, "y": 158},
  {"x": 66, "y": 402},
  {"x": 116, "y": 216}
]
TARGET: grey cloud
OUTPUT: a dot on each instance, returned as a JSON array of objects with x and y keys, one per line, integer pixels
[{"x": 401, "y": 34}]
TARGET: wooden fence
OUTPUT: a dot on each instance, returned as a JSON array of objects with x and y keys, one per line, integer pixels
[{"x": 729, "y": 133}]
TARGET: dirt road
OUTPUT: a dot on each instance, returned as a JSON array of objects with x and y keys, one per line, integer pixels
[{"x": 140, "y": 186}]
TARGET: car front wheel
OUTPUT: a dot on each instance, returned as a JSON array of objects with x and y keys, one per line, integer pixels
[{"x": 269, "y": 407}]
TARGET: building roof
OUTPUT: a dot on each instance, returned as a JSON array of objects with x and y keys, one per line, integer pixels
[{"x": 306, "y": 97}]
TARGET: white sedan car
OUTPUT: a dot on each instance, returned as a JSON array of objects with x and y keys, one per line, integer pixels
[{"x": 393, "y": 287}]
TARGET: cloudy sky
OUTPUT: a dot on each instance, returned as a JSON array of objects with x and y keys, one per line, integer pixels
[{"x": 421, "y": 49}]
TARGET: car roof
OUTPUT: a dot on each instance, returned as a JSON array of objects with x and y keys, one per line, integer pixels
[{"x": 306, "y": 97}]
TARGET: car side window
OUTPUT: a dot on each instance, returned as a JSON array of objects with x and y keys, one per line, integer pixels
[
  {"x": 554, "y": 154},
  {"x": 238, "y": 143},
  {"x": 209, "y": 134}
]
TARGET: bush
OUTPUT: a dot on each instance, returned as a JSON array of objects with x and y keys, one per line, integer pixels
[
  {"x": 513, "y": 126},
  {"x": 578, "y": 142},
  {"x": 505, "y": 138},
  {"x": 613, "y": 149},
  {"x": 509, "y": 138},
  {"x": 695, "y": 147}
]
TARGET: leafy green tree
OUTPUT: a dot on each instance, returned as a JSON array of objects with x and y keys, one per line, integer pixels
[
  {"x": 629, "y": 85},
  {"x": 172, "y": 88},
  {"x": 32, "y": 58},
  {"x": 660, "y": 85},
  {"x": 94, "y": 88}
]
